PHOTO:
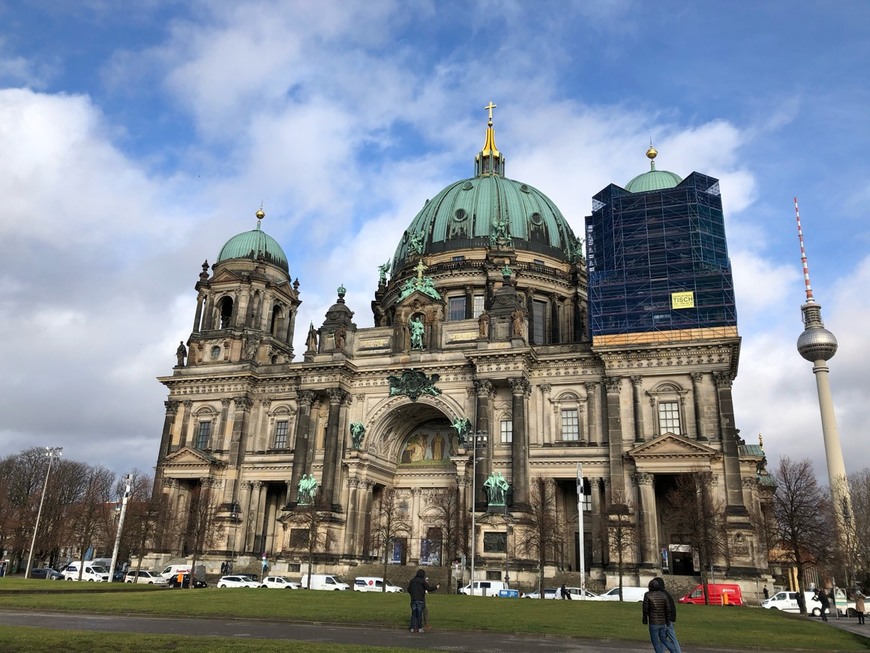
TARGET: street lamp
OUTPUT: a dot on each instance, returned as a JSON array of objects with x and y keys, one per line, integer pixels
[
  {"x": 51, "y": 452},
  {"x": 477, "y": 440},
  {"x": 128, "y": 481}
]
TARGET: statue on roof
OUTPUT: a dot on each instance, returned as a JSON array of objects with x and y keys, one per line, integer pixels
[
  {"x": 311, "y": 340},
  {"x": 181, "y": 353},
  {"x": 415, "y": 243},
  {"x": 382, "y": 273}
]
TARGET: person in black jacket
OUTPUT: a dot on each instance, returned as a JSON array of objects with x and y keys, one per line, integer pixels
[
  {"x": 660, "y": 613},
  {"x": 822, "y": 597},
  {"x": 417, "y": 589}
]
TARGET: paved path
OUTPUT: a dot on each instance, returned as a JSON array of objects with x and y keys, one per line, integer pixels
[{"x": 476, "y": 642}]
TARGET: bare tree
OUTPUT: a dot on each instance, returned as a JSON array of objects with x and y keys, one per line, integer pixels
[
  {"x": 800, "y": 509},
  {"x": 697, "y": 515},
  {"x": 540, "y": 533},
  {"x": 92, "y": 515},
  {"x": 309, "y": 537},
  {"x": 144, "y": 512},
  {"x": 859, "y": 487},
  {"x": 391, "y": 522},
  {"x": 203, "y": 528},
  {"x": 447, "y": 514},
  {"x": 622, "y": 533}
]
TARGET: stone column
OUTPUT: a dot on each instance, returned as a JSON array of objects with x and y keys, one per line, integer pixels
[
  {"x": 485, "y": 392},
  {"x": 595, "y": 519},
  {"x": 300, "y": 451},
  {"x": 221, "y": 430},
  {"x": 614, "y": 432},
  {"x": 336, "y": 395},
  {"x": 648, "y": 515},
  {"x": 351, "y": 547},
  {"x": 697, "y": 383},
  {"x": 197, "y": 318},
  {"x": 520, "y": 389},
  {"x": 341, "y": 446},
  {"x": 637, "y": 407},
  {"x": 733, "y": 483},
  {"x": 185, "y": 423},
  {"x": 238, "y": 442},
  {"x": 546, "y": 415},
  {"x": 592, "y": 414}
]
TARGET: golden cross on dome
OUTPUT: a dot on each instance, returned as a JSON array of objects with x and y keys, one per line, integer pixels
[
  {"x": 489, "y": 107},
  {"x": 420, "y": 267}
]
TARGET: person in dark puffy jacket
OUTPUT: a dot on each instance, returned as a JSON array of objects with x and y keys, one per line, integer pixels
[
  {"x": 660, "y": 613},
  {"x": 417, "y": 589}
]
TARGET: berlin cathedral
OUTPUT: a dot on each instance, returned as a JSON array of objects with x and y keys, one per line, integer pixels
[{"x": 512, "y": 364}]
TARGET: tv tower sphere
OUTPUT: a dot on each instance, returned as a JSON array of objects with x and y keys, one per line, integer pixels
[{"x": 816, "y": 342}]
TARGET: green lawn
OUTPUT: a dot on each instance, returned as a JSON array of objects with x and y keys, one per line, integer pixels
[{"x": 749, "y": 628}]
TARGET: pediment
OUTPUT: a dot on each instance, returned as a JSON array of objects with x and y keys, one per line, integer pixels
[
  {"x": 189, "y": 457},
  {"x": 672, "y": 446},
  {"x": 418, "y": 299}
]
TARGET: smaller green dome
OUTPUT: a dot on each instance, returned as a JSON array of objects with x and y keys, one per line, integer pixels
[
  {"x": 255, "y": 244},
  {"x": 653, "y": 180}
]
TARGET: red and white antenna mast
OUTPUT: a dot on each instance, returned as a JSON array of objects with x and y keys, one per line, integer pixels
[{"x": 809, "y": 288}]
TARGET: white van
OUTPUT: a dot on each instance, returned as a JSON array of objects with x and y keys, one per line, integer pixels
[
  {"x": 788, "y": 602},
  {"x": 484, "y": 588},
  {"x": 173, "y": 570},
  {"x": 629, "y": 594},
  {"x": 324, "y": 582},
  {"x": 373, "y": 584},
  {"x": 91, "y": 572}
]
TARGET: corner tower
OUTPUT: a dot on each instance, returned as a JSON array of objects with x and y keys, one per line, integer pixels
[{"x": 246, "y": 311}]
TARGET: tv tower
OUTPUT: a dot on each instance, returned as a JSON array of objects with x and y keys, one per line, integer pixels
[{"x": 818, "y": 345}]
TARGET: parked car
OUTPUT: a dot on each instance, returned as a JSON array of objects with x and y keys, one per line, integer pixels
[
  {"x": 183, "y": 581},
  {"x": 373, "y": 584},
  {"x": 279, "y": 582},
  {"x": 145, "y": 577},
  {"x": 46, "y": 572},
  {"x": 629, "y": 594},
  {"x": 549, "y": 593},
  {"x": 236, "y": 581},
  {"x": 575, "y": 594}
]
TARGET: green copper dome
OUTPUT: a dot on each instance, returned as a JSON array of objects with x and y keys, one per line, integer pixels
[
  {"x": 488, "y": 210},
  {"x": 654, "y": 179},
  {"x": 254, "y": 245}
]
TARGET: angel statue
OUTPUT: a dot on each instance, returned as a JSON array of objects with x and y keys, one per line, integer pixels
[
  {"x": 462, "y": 426},
  {"x": 357, "y": 433},
  {"x": 382, "y": 272}
]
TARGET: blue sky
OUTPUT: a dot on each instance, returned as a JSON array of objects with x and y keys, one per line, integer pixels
[{"x": 135, "y": 140}]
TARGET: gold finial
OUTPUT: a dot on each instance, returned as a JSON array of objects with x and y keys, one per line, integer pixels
[
  {"x": 651, "y": 155},
  {"x": 489, "y": 107},
  {"x": 260, "y": 212}
]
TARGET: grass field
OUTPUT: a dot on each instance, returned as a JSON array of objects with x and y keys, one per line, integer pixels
[{"x": 747, "y": 628}]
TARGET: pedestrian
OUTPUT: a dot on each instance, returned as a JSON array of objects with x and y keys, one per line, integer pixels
[
  {"x": 822, "y": 597},
  {"x": 766, "y": 593},
  {"x": 565, "y": 594},
  {"x": 859, "y": 606},
  {"x": 660, "y": 613},
  {"x": 223, "y": 569},
  {"x": 417, "y": 589}
]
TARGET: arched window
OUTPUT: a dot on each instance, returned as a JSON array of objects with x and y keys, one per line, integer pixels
[
  {"x": 667, "y": 401},
  {"x": 225, "y": 307},
  {"x": 277, "y": 315}
]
